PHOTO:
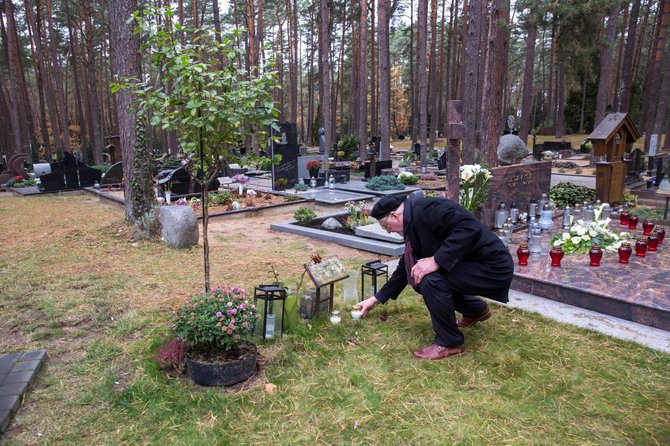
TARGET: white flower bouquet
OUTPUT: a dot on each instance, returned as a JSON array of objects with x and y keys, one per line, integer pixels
[
  {"x": 473, "y": 186},
  {"x": 583, "y": 234}
]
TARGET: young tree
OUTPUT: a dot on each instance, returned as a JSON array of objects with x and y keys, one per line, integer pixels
[{"x": 211, "y": 107}]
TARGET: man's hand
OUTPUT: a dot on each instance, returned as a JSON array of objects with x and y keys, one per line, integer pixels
[
  {"x": 367, "y": 305},
  {"x": 424, "y": 267}
]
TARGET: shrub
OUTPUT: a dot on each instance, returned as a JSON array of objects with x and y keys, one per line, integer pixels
[
  {"x": 172, "y": 354},
  {"x": 304, "y": 215},
  {"x": 384, "y": 182},
  {"x": 563, "y": 164},
  {"x": 221, "y": 198},
  {"x": 300, "y": 187},
  {"x": 408, "y": 178},
  {"x": 570, "y": 194},
  {"x": 349, "y": 145},
  {"x": 628, "y": 199}
]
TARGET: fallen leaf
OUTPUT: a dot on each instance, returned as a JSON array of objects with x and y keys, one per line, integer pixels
[{"x": 270, "y": 388}]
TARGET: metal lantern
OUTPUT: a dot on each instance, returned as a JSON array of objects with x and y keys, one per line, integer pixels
[
  {"x": 273, "y": 298},
  {"x": 374, "y": 269}
]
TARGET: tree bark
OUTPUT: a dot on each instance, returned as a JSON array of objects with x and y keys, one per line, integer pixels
[
  {"x": 627, "y": 78},
  {"x": 20, "y": 113},
  {"x": 384, "y": 79},
  {"x": 470, "y": 80},
  {"x": 324, "y": 70},
  {"x": 422, "y": 76},
  {"x": 493, "y": 93},
  {"x": 92, "y": 83},
  {"x": 527, "y": 101},
  {"x": 125, "y": 63},
  {"x": 606, "y": 65},
  {"x": 34, "y": 21},
  {"x": 363, "y": 81}
]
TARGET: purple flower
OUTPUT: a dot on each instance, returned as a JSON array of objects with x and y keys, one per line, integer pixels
[
  {"x": 219, "y": 314},
  {"x": 230, "y": 304}
]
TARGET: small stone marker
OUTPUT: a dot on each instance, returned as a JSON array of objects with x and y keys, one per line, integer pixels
[{"x": 179, "y": 226}]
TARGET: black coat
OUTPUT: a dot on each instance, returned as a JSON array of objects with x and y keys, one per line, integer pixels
[{"x": 473, "y": 259}]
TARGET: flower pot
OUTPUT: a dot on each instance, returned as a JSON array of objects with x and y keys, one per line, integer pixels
[
  {"x": 222, "y": 368},
  {"x": 314, "y": 173}
]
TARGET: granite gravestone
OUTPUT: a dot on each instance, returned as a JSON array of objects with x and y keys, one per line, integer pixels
[
  {"x": 518, "y": 183},
  {"x": 287, "y": 147}
]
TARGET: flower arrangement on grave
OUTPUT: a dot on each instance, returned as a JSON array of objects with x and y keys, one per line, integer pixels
[
  {"x": 313, "y": 165},
  {"x": 359, "y": 215},
  {"x": 583, "y": 234},
  {"x": 218, "y": 320},
  {"x": 474, "y": 186},
  {"x": 408, "y": 178},
  {"x": 241, "y": 178}
]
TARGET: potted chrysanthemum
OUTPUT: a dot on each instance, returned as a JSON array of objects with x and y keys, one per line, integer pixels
[{"x": 217, "y": 328}]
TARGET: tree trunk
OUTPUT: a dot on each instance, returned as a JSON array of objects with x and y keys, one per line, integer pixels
[
  {"x": 606, "y": 65},
  {"x": 6, "y": 130},
  {"x": 293, "y": 61},
  {"x": 363, "y": 81},
  {"x": 527, "y": 101},
  {"x": 422, "y": 76},
  {"x": 19, "y": 114},
  {"x": 384, "y": 79},
  {"x": 470, "y": 80},
  {"x": 627, "y": 78},
  {"x": 374, "y": 129},
  {"x": 44, "y": 86},
  {"x": 433, "y": 78},
  {"x": 324, "y": 70},
  {"x": 92, "y": 83},
  {"x": 125, "y": 63},
  {"x": 83, "y": 140},
  {"x": 495, "y": 68},
  {"x": 652, "y": 82}
]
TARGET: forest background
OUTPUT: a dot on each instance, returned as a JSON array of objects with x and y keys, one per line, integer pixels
[{"x": 357, "y": 68}]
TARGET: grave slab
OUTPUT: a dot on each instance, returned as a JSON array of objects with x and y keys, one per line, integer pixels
[
  {"x": 359, "y": 187},
  {"x": 375, "y": 231},
  {"x": 18, "y": 372}
]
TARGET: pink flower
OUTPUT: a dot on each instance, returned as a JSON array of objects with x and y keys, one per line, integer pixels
[
  {"x": 219, "y": 314},
  {"x": 237, "y": 337}
]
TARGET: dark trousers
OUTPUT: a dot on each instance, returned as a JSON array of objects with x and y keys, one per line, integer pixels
[{"x": 442, "y": 300}]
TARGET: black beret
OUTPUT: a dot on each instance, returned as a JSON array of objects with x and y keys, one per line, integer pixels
[{"x": 386, "y": 205}]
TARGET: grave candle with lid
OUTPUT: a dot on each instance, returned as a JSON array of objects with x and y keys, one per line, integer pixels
[
  {"x": 652, "y": 241},
  {"x": 556, "y": 255},
  {"x": 623, "y": 217},
  {"x": 624, "y": 252},
  {"x": 647, "y": 227},
  {"x": 641, "y": 247},
  {"x": 523, "y": 253},
  {"x": 595, "y": 254},
  {"x": 660, "y": 231}
]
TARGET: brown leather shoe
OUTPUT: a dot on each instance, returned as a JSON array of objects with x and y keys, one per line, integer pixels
[
  {"x": 465, "y": 322},
  {"x": 435, "y": 351}
]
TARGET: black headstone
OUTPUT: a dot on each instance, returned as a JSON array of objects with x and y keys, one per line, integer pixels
[
  {"x": 287, "y": 147},
  {"x": 114, "y": 175}
]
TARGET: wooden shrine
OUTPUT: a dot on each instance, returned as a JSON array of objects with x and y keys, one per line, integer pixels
[{"x": 614, "y": 136}]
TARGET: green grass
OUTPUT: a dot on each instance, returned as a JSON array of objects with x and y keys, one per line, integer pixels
[{"x": 77, "y": 287}]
